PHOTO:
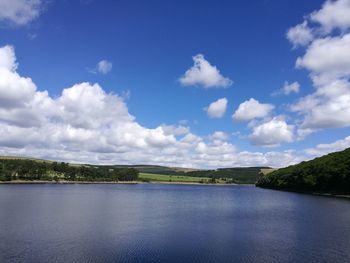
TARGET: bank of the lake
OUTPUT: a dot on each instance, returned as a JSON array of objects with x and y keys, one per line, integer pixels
[
  {"x": 116, "y": 182},
  {"x": 323, "y": 194},
  {"x": 65, "y": 182}
]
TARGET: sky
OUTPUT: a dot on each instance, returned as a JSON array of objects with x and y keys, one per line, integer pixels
[{"x": 201, "y": 84}]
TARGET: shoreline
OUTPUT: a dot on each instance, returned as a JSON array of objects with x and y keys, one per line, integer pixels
[
  {"x": 343, "y": 196},
  {"x": 189, "y": 183},
  {"x": 18, "y": 182},
  {"x": 332, "y": 195},
  {"x": 64, "y": 182}
]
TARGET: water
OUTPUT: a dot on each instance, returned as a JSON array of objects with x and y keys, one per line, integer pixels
[{"x": 170, "y": 223}]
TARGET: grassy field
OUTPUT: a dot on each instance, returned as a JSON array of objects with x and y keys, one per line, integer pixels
[{"x": 172, "y": 178}]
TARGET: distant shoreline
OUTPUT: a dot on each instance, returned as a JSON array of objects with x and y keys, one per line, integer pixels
[
  {"x": 119, "y": 182},
  {"x": 190, "y": 183},
  {"x": 65, "y": 182}
]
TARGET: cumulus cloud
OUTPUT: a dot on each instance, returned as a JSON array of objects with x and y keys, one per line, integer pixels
[
  {"x": 300, "y": 35},
  {"x": 85, "y": 124},
  {"x": 329, "y": 56},
  {"x": 272, "y": 133},
  {"x": 19, "y": 12},
  {"x": 217, "y": 108},
  {"x": 333, "y": 15},
  {"x": 252, "y": 109},
  {"x": 202, "y": 73},
  {"x": 287, "y": 89}
]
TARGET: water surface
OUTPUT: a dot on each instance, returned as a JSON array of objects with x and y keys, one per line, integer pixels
[{"x": 170, "y": 223}]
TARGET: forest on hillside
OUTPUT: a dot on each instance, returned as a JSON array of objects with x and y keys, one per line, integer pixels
[
  {"x": 240, "y": 175},
  {"x": 329, "y": 173}
]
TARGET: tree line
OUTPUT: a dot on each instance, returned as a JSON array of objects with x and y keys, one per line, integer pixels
[{"x": 22, "y": 169}]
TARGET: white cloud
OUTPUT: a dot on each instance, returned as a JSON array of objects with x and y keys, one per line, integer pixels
[
  {"x": 104, "y": 66},
  {"x": 219, "y": 136},
  {"x": 214, "y": 150},
  {"x": 85, "y": 106},
  {"x": 329, "y": 56},
  {"x": 333, "y": 15},
  {"x": 8, "y": 58},
  {"x": 21, "y": 89},
  {"x": 300, "y": 35},
  {"x": 328, "y": 107},
  {"x": 272, "y": 133},
  {"x": 19, "y": 12},
  {"x": 252, "y": 109},
  {"x": 175, "y": 130},
  {"x": 291, "y": 88},
  {"x": 217, "y": 108},
  {"x": 202, "y": 73},
  {"x": 14, "y": 90},
  {"x": 288, "y": 89},
  {"x": 322, "y": 149}
]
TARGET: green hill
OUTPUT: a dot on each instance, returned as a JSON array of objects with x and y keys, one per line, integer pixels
[
  {"x": 327, "y": 174},
  {"x": 238, "y": 175},
  {"x": 157, "y": 169}
]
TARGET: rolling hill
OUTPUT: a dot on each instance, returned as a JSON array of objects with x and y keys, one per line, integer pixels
[{"x": 239, "y": 175}]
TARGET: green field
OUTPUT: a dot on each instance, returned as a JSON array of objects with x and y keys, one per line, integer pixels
[{"x": 171, "y": 178}]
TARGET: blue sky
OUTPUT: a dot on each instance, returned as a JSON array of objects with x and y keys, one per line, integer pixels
[{"x": 146, "y": 48}]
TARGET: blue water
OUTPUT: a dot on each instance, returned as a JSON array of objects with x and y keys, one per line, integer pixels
[{"x": 170, "y": 223}]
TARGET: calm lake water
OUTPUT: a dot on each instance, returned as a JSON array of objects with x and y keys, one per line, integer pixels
[{"x": 170, "y": 223}]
